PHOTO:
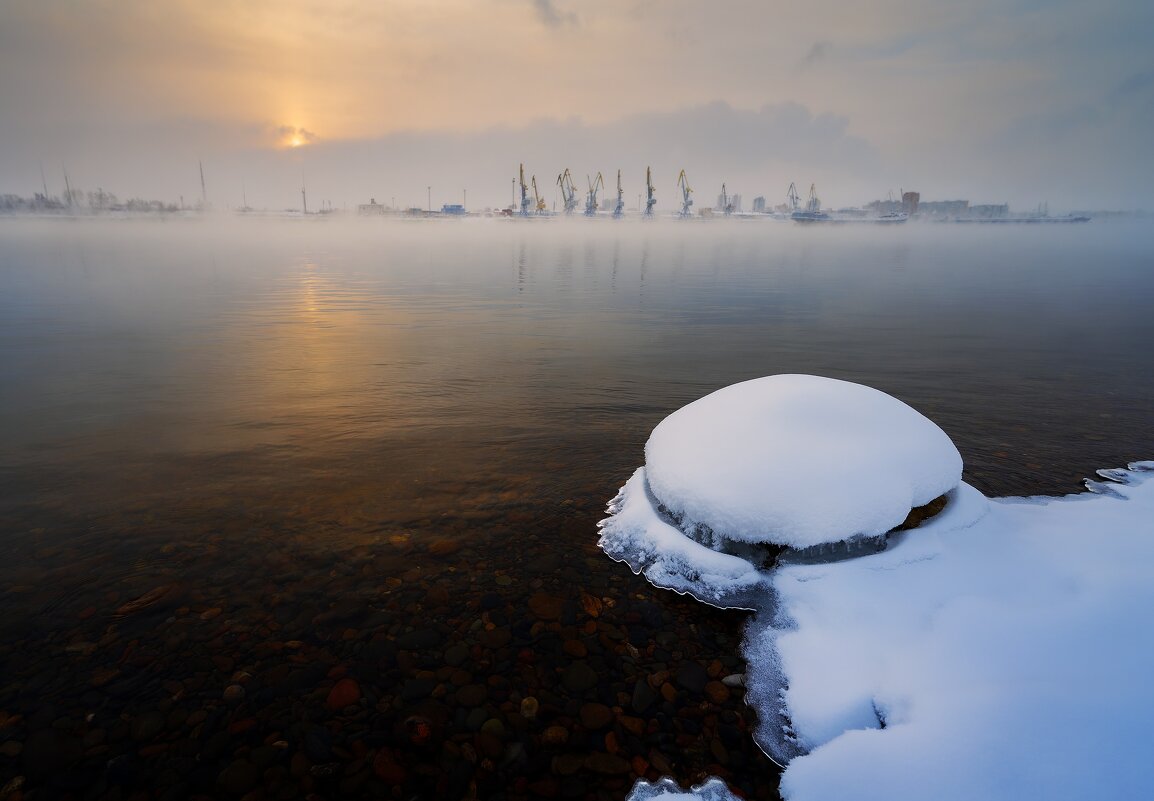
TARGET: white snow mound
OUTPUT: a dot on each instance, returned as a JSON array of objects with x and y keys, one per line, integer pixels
[{"x": 798, "y": 460}]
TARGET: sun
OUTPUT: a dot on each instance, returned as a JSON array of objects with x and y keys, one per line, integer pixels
[{"x": 293, "y": 137}]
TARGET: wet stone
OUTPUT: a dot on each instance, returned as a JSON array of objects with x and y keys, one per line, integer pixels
[
  {"x": 607, "y": 764},
  {"x": 48, "y": 751},
  {"x": 555, "y": 735},
  {"x": 416, "y": 689},
  {"x": 496, "y": 638},
  {"x": 717, "y": 692},
  {"x": 239, "y": 777},
  {"x": 476, "y": 718},
  {"x": 692, "y": 676},
  {"x": 568, "y": 764},
  {"x": 643, "y": 696},
  {"x": 419, "y": 640},
  {"x": 345, "y": 692},
  {"x": 147, "y": 726},
  {"x": 456, "y": 654},
  {"x": 546, "y": 607},
  {"x": 575, "y": 648},
  {"x": 579, "y": 677},
  {"x": 472, "y": 695},
  {"x": 596, "y": 716}
]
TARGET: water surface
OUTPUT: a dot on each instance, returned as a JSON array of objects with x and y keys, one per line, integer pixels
[{"x": 423, "y": 420}]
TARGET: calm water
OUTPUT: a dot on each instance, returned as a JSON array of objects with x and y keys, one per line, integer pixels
[{"x": 263, "y": 414}]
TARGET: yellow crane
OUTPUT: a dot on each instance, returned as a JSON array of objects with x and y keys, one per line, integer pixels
[
  {"x": 591, "y": 198},
  {"x": 539, "y": 201},
  {"x": 568, "y": 190},
  {"x": 686, "y": 200}
]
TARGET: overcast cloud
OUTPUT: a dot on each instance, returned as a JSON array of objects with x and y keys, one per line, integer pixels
[{"x": 994, "y": 100}]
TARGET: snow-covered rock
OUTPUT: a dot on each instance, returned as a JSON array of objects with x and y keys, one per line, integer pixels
[{"x": 797, "y": 460}]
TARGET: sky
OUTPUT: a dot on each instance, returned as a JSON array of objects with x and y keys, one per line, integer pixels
[{"x": 419, "y": 101}]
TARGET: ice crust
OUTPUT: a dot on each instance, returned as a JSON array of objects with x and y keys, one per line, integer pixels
[
  {"x": 636, "y": 533},
  {"x": 668, "y": 790},
  {"x": 1002, "y": 650},
  {"x": 797, "y": 460}
]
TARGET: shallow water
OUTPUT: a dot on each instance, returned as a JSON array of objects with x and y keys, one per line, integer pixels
[{"x": 340, "y": 432}]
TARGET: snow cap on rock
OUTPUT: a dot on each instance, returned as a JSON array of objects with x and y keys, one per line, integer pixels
[{"x": 798, "y": 460}]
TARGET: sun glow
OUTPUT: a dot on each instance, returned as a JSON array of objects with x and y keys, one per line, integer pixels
[{"x": 292, "y": 137}]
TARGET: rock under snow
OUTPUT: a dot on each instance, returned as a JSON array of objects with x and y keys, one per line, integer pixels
[{"x": 797, "y": 460}]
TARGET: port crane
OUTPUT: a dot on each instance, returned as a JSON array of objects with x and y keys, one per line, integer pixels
[
  {"x": 793, "y": 197},
  {"x": 538, "y": 201},
  {"x": 726, "y": 205},
  {"x": 814, "y": 205},
  {"x": 591, "y": 198},
  {"x": 568, "y": 191},
  {"x": 524, "y": 194},
  {"x": 619, "y": 209},
  {"x": 686, "y": 200},
  {"x": 650, "y": 200}
]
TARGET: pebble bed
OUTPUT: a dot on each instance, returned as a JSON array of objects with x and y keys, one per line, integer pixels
[{"x": 246, "y": 656}]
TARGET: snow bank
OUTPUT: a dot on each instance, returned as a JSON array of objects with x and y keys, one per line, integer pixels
[
  {"x": 1002, "y": 650},
  {"x": 797, "y": 460},
  {"x": 1008, "y": 659}
]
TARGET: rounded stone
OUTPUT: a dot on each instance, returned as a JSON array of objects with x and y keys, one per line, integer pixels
[
  {"x": 472, "y": 695},
  {"x": 579, "y": 677},
  {"x": 717, "y": 692},
  {"x": 345, "y": 692},
  {"x": 595, "y": 716},
  {"x": 746, "y": 461}
]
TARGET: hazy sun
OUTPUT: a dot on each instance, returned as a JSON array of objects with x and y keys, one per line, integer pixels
[{"x": 292, "y": 136}]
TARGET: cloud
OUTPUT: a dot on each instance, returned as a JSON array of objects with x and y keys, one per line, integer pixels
[
  {"x": 548, "y": 13},
  {"x": 292, "y": 133},
  {"x": 817, "y": 53}
]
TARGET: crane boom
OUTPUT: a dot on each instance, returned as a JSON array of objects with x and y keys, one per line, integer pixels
[
  {"x": 538, "y": 201},
  {"x": 619, "y": 209},
  {"x": 524, "y": 194},
  {"x": 591, "y": 198},
  {"x": 793, "y": 197},
  {"x": 568, "y": 190},
  {"x": 650, "y": 200},
  {"x": 686, "y": 200}
]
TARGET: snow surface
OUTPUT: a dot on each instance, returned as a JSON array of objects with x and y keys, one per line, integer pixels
[
  {"x": 1002, "y": 650},
  {"x": 1009, "y": 659},
  {"x": 798, "y": 460}
]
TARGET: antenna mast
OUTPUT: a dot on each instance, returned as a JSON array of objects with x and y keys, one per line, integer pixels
[{"x": 203, "y": 191}]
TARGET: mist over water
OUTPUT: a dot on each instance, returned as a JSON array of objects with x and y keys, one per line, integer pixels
[
  {"x": 135, "y": 340},
  {"x": 194, "y": 400}
]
